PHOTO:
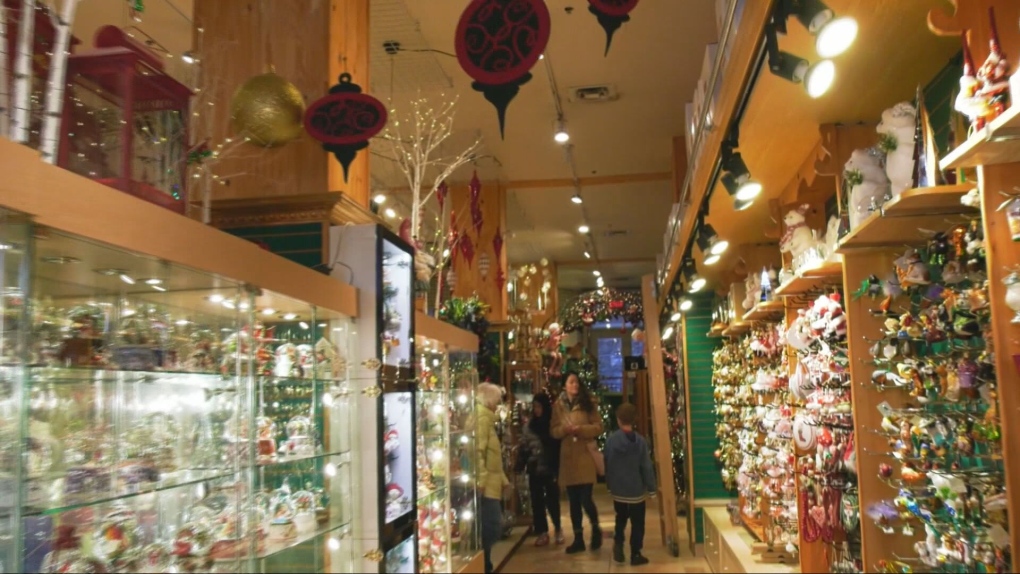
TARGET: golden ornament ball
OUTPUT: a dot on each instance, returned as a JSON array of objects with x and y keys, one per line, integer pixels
[{"x": 268, "y": 110}]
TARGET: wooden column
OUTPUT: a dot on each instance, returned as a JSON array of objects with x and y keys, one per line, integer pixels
[
  {"x": 469, "y": 280},
  {"x": 349, "y": 48},
  {"x": 663, "y": 455},
  {"x": 308, "y": 43}
]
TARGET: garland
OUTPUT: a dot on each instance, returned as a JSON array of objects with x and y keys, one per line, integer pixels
[{"x": 602, "y": 305}]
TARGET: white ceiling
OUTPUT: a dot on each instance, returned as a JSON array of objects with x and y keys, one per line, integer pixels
[{"x": 654, "y": 64}]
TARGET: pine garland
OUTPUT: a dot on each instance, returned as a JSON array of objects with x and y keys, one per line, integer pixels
[{"x": 602, "y": 305}]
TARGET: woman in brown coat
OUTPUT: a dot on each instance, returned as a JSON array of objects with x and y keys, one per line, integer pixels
[{"x": 576, "y": 422}]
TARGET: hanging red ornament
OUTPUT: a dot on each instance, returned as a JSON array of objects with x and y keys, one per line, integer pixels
[
  {"x": 475, "y": 187},
  {"x": 441, "y": 192},
  {"x": 500, "y": 278},
  {"x": 344, "y": 120},
  {"x": 467, "y": 249},
  {"x": 497, "y": 43},
  {"x": 497, "y": 243},
  {"x": 611, "y": 14},
  {"x": 476, "y": 220}
]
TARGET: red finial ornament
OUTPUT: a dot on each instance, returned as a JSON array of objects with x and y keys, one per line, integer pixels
[
  {"x": 611, "y": 14},
  {"x": 344, "y": 120}
]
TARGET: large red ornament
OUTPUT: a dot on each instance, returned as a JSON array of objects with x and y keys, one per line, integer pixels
[
  {"x": 344, "y": 120},
  {"x": 497, "y": 44},
  {"x": 441, "y": 192},
  {"x": 611, "y": 14}
]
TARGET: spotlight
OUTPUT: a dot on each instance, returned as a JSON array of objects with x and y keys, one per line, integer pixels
[
  {"x": 738, "y": 182},
  {"x": 596, "y": 273},
  {"x": 712, "y": 259},
  {"x": 709, "y": 241},
  {"x": 675, "y": 317},
  {"x": 188, "y": 57},
  {"x": 577, "y": 199},
  {"x": 587, "y": 255},
  {"x": 833, "y": 35},
  {"x": 817, "y": 78},
  {"x": 390, "y": 213},
  {"x": 379, "y": 199},
  {"x": 696, "y": 283},
  {"x": 686, "y": 304},
  {"x": 741, "y": 205},
  {"x": 668, "y": 332},
  {"x": 561, "y": 136},
  {"x": 583, "y": 229}
]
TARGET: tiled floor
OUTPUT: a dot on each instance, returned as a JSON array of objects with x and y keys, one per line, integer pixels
[{"x": 552, "y": 558}]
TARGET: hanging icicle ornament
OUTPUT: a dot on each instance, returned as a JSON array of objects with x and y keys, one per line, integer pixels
[
  {"x": 441, "y": 192},
  {"x": 344, "y": 120},
  {"x": 497, "y": 43},
  {"x": 451, "y": 279},
  {"x": 475, "y": 193},
  {"x": 611, "y": 14}
]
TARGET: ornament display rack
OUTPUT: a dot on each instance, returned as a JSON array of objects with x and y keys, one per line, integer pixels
[{"x": 448, "y": 533}]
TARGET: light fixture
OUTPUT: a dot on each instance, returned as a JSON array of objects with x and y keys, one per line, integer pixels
[
  {"x": 596, "y": 273},
  {"x": 290, "y": 316},
  {"x": 561, "y": 136},
  {"x": 303, "y": 325},
  {"x": 696, "y": 283},
  {"x": 390, "y": 213},
  {"x": 379, "y": 199},
  {"x": 111, "y": 272},
  {"x": 600, "y": 282},
  {"x": 188, "y": 57},
  {"x": 709, "y": 241},
  {"x": 583, "y": 229},
  {"x": 269, "y": 311},
  {"x": 587, "y": 255},
  {"x": 215, "y": 298},
  {"x": 668, "y": 332},
  {"x": 737, "y": 180},
  {"x": 676, "y": 317},
  {"x": 741, "y": 205},
  {"x": 127, "y": 279},
  {"x": 686, "y": 304},
  {"x": 154, "y": 281},
  {"x": 576, "y": 198},
  {"x": 53, "y": 260},
  {"x": 159, "y": 288},
  {"x": 817, "y": 78},
  {"x": 712, "y": 259},
  {"x": 833, "y": 35}
]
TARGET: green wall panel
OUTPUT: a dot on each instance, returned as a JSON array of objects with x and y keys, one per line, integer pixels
[
  {"x": 705, "y": 480},
  {"x": 938, "y": 98},
  {"x": 299, "y": 242}
]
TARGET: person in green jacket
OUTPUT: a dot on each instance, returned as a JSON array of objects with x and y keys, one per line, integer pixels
[{"x": 491, "y": 478}]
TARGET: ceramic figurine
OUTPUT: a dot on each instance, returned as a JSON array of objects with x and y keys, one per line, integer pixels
[
  {"x": 1012, "y": 282},
  {"x": 798, "y": 238},
  {"x": 897, "y": 131},
  {"x": 994, "y": 74},
  {"x": 752, "y": 289},
  {"x": 831, "y": 236},
  {"x": 868, "y": 183},
  {"x": 968, "y": 101}
]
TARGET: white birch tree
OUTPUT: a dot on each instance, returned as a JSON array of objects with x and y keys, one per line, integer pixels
[
  {"x": 50, "y": 137},
  {"x": 22, "y": 104}
]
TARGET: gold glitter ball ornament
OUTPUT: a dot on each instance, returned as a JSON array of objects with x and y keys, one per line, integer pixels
[{"x": 268, "y": 110}]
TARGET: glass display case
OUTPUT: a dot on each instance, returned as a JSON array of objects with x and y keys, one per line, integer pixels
[
  {"x": 160, "y": 419},
  {"x": 448, "y": 536}
]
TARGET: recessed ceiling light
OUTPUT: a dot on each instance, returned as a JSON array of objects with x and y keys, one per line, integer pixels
[
  {"x": 215, "y": 298},
  {"x": 596, "y": 273},
  {"x": 153, "y": 281},
  {"x": 127, "y": 279},
  {"x": 390, "y": 213},
  {"x": 159, "y": 288},
  {"x": 379, "y": 199},
  {"x": 182, "y": 322},
  {"x": 60, "y": 260},
  {"x": 577, "y": 199},
  {"x": 290, "y": 316},
  {"x": 587, "y": 255},
  {"x": 111, "y": 272},
  {"x": 303, "y": 325},
  {"x": 269, "y": 311},
  {"x": 583, "y": 229},
  {"x": 229, "y": 304}
]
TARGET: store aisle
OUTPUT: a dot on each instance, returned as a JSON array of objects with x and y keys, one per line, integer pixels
[{"x": 553, "y": 559}]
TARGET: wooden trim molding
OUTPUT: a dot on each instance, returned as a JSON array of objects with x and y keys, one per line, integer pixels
[{"x": 457, "y": 338}]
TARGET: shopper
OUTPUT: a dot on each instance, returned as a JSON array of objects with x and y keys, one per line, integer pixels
[
  {"x": 491, "y": 478},
  {"x": 630, "y": 479},
  {"x": 541, "y": 455},
  {"x": 576, "y": 422}
]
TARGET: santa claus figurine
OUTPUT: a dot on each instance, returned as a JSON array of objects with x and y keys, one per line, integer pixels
[{"x": 994, "y": 74}]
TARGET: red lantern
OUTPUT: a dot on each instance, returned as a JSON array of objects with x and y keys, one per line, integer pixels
[
  {"x": 497, "y": 44},
  {"x": 344, "y": 120},
  {"x": 611, "y": 14}
]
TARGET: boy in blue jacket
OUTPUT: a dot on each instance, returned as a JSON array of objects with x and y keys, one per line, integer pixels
[{"x": 630, "y": 480}]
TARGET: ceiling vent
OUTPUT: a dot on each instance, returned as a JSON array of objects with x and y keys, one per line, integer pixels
[
  {"x": 614, "y": 233},
  {"x": 605, "y": 93}
]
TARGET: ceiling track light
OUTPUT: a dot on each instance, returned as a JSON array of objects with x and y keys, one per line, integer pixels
[
  {"x": 833, "y": 35},
  {"x": 817, "y": 78},
  {"x": 737, "y": 180},
  {"x": 561, "y": 135},
  {"x": 576, "y": 198},
  {"x": 686, "y": 304},
  {"x": 742, "y": 204},
  {"x": 583, "y": 229},
  {"x": 709, "y": 241}
]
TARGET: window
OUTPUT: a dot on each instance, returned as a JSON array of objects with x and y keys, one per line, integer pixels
[
  {"x": 637, "y": 348},
  {"x": 610, "y": 356}
]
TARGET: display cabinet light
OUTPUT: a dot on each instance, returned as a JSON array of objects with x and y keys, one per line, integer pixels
[
  {"x": 596, "y": 273},
  {"x": 464, "y": 439},
  {"x": 462, "y": 399},
  {"x": 329, "y": 469},
  {"x": 467, "y": 515},
  {"x": 188, "y": 57},
  {"x": 327, "y": 399}
]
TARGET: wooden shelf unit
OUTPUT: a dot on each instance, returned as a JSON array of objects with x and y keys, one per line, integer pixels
[
  {"x": 995, "y": 144},
  {"x": 909, "y": 218},
  {"x": 811, "y": 278},
  {"x": 765, "y": 310}
]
